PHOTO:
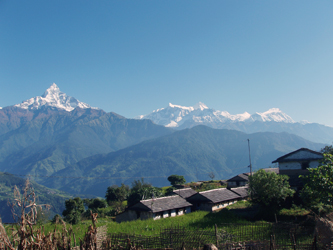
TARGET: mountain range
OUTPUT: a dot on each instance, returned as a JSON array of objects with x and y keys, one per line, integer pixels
[
  {"x": 65, "y": 144},
  {"x": 273, "y": 120}
]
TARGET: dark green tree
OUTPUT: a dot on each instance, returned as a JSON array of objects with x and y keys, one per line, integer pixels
[
  {"x": 176, "y": 179},
  {"x": 269, "y": 189},
  {"x": 142, "y": 190},
  {"x": 96, "y": 203},
  {"x": 317, "y": 193},
  {"x": 327, "y": 150},
  {"x": 73, "y": 211},
  {"x": 115, "y": 193}
]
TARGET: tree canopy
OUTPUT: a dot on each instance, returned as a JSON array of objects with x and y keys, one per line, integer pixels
[
  {"x": 318, "y": 188},
  {"x": 142, "y": 190},
  {"x": 73, "y": 211},
  {"x": 269, "y": 189},
  {"x": 115, "y": 193},
  {"x": 176, "y": 179}
]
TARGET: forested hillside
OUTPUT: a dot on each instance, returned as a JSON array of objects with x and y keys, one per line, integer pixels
[
  {"x": 45, "y": 195},
  {"x": 193, "y": 153},
  {"x": 44, "y": 141}
]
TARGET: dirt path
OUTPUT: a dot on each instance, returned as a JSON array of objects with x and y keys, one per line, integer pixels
[{"x": 101, "y": 236}]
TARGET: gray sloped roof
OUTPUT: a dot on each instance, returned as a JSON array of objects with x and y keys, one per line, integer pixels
[
  {"x": 214, "y": 196},
  {"x": 240, "y": 177},
  {"x": 185, "y": 192},
  {"x": 312, "y": 155},
  {"x": 161, "y": 204},
  {"x": 242, "y": 191}
]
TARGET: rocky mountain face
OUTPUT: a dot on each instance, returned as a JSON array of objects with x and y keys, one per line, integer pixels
[{"x": 273, "y": 120}]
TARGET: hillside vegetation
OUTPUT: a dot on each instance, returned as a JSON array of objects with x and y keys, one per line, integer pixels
[
  {"x": 45, "y": 195},
  {"x": 192, "y": 153}
]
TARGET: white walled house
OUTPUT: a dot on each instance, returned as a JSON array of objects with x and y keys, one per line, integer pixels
[
  {"x": 297, "y": 163},
  {"x": 158, "y": 208}
]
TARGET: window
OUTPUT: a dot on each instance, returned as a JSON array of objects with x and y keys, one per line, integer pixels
[{"x": 305, "y": 165}]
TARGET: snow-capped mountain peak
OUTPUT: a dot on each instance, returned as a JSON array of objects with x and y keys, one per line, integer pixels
[
  {"x": 183, "y": 117},
  {"x": 53, "y": 97},
  {"x": 200, "y": 106},
  {"x": 180, "y": 107},
  {"x": 273, "y": 114}
]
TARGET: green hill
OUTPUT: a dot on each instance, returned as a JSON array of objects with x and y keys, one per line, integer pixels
[
  {"x": 45, "y": 141},
  {"x": 194, "y": 153}
]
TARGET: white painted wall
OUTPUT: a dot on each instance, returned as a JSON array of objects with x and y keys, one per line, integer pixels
[{"x": 296, "y": 165}]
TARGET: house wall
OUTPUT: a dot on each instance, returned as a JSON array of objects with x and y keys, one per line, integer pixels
[
  {"x": 126, "y": 216},
  {"x": 296, "y": 165},
  {"x": 232, "y": 184},
  {"x": 143, "y": 215},
  {"x": 221, "y": 205},
  {"x": 216, "y": 206},
  {"x": 157, "y": 216},
  {"x": 188, "y": 210},
  {"x": 165, "y": 214},
  {"x": 180, "y": 212}
]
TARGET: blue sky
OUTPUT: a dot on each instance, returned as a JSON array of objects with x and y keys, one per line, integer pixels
[{"x": 132, "y": 57}]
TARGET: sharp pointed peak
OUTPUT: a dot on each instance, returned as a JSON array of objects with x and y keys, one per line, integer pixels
[
  {"x": 53, "y": 97},
  {"x": 200, "y": 105},
  {"x": 53, "y": 89}
]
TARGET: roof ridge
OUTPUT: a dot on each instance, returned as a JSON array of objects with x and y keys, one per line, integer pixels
[
  {"x": 170, "y": 196},
  {"x": 295, "y": 151},
  {"x": 211, "y": 190},
  {"x": 182, "y": 189}
]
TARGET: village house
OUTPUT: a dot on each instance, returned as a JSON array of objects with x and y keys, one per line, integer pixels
[
  {"x": 297, "y": 163},
  {"x": 169, "y": 206},
  {"x": 214, "y": 199},
  {"x": 243, "y": 179},
  {"x": 238, "y": 180}
]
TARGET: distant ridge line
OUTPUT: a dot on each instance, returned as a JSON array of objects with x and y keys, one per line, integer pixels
[{"x": 82, "y": 177}]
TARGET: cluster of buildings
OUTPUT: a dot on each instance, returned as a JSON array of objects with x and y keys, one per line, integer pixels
[{"x": 187, "y": 200}]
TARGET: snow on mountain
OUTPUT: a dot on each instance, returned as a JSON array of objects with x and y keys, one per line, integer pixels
[
  {"x": 53, "y": 97},
  {"x": 273, "y": 114},
  {"x": 182, "y": 116}
]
